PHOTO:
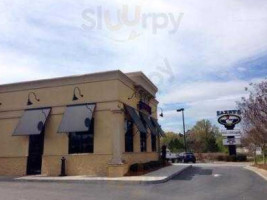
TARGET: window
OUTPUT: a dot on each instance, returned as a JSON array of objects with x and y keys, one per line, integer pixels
[
  {"x": 154, "y": 142},
  {"x": 143, "y": 142},
  {"x": 82, "y": 142},
  {"x": 143, "y": 137},
  {"x": 129, "y": 136}
]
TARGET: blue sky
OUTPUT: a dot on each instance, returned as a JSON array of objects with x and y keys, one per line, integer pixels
[{"x": 217, "y": 49}]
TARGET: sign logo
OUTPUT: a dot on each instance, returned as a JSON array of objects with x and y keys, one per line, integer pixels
[
  {"x": 229, "y": 121},
  {"x": 229, "y": 118}
]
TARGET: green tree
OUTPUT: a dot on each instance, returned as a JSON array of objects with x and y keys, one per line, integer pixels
[
  {"x": 203, "y": 137},
  {"x": 173, "y": 141}
]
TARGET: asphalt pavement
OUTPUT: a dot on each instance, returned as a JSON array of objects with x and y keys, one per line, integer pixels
[{"x": 201, "y": 182}]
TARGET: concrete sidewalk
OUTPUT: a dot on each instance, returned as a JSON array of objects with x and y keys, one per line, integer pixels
[{"x": 159, "y": 176}]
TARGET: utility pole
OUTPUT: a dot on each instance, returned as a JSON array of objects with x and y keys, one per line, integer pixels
[{"x": 182, "y": 110}]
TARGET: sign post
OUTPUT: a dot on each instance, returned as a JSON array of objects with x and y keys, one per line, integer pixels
[{"x": 229, "y": 118}]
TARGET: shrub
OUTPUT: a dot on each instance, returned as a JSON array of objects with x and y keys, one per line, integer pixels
[
  {"x": 221, "y": 158},
  {"x": 233, "y": 158},
  {"x": 241, "y": 158},
  {"x": 140, "y": 166},
  {"x": 204, "y": 157},
  {"x": 146, "y": 166},
  {"x": 134, "y": 167}
]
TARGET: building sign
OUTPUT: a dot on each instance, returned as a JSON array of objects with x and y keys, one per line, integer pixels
[
  {"x": 235, "y": 133},
  {"x": 231, "y": 141},
  {"x": 143, "y": 106},
  {"x": 229, "y": 118},
  {"x": 230, "y": 135},
  {"x": 258, "y": 151},
  {"x": 229, "y": 112}
]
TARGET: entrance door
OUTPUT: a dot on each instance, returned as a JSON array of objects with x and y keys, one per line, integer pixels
[{"x": 36, "y": 146}]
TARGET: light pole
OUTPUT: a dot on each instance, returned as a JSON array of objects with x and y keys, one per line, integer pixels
[{"x": 182, "y": 110}]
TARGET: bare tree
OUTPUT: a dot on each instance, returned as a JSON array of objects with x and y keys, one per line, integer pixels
[
  {"x": 250, "y": 141},
  {"x": 254, "y": 115}
]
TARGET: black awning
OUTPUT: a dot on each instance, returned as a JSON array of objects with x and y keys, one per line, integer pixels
[
  {"x": 32, "y": 122},
  {"x": 149, "y": 123},
  {"x": 77, "y": 118},
  {"x": 158, "y": 127},
  {"x": 136, "y": 119}
]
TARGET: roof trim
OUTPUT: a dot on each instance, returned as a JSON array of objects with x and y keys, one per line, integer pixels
[
  {"x": 68, "y": 80},
  {"x": 140, "y": 73}
]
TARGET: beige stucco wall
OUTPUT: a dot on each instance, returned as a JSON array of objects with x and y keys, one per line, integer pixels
[
  {"x": 13, "y": 150},
  {"x": 12, "y": 146},
  {"x": 13, "y": 166},
  {"x": 77, "y": 164},
  {"x": 108, "y": 95},
  {"x": 131, "y": 158}
]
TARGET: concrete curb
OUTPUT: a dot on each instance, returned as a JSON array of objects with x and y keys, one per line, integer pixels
[
  {"x": 258, "y": 171},
  {"x": 163, "y": 180},
  {"x": 173, "y": 175}
]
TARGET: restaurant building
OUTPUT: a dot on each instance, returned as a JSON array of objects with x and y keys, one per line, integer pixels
[{"x": 100, "y": 123}]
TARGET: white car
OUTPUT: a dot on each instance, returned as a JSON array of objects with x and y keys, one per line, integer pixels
[{"x": 171, "y": 156}]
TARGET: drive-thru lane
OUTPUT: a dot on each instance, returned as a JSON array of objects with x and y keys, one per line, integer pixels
[{"x": 201, "y": 182}]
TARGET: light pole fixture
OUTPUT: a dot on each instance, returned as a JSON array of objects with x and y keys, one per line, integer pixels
[
  {"x": 132, "y": 96},
  {"x": 74, "y": 98},
  {"x": 161, "y": 112},
  {"x": 29, "y": 102},
  {"x": 182, "y": 110}
]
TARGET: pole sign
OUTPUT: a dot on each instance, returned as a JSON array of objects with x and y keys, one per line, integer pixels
[{"x": 229, "y": 118}]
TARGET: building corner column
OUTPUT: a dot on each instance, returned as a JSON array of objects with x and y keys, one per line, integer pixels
[
  {"x": 116, "y": 167},
  {"x": 116, "y": 137}
]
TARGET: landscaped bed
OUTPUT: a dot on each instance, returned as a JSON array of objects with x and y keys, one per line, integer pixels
[
  {"x": 208, "y": 157},
  {"x": 261, "y": 166},
  {"x": 139, "y": 169}
]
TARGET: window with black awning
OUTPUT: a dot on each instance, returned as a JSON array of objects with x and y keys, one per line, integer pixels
[
  {"x": 32, "y": 122},
  {"x": 157, "y": 126},
  {"x": 136, "y": 119},
  {"x": 129, "y": 135},
  {"x": 77, "y": 118},
  {"x": 148, "y": 123}
]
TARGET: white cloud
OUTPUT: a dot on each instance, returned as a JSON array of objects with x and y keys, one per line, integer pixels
[{"x": 201, "y": 91}]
